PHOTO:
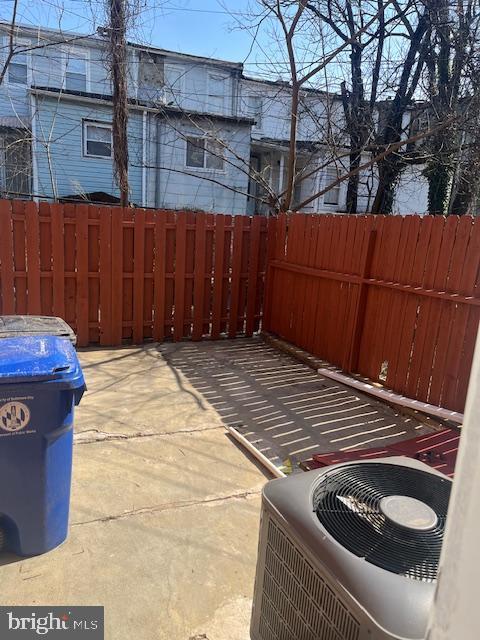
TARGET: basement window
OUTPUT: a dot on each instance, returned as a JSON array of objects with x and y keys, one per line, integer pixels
[
  {"x": 97, "y": 139},
  {"x": 204, "y": 153}
]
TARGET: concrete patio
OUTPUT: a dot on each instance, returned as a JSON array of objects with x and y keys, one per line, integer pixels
[
  {"x": 164, "y": 514},
  {"x": 165, "y": 507}
]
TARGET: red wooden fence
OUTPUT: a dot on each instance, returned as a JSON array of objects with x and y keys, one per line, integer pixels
[
  {"x": 395, "y": 299},
  {"x": 131, "y": 275}
]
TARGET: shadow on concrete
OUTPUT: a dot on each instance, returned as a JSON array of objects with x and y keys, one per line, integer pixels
[{"x": 280, "y": 404}]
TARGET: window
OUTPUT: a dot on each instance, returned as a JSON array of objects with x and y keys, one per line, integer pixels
[
  {"x": 420, "y": 122},
  {"x": 174, "y": 76},
  {"x": 216, "y": 93},
  {"x": 15, "y": 163},
  {"x": 150, "y": 77},
  {"x": 76, "y": 71},
  {"x": 333, "y": 196},
  {"x": 97, "y": 139},
  {"x": 203, "y": 153},
  {"x": 18, "y": 69},
  {"x": 255, "y": 108}
]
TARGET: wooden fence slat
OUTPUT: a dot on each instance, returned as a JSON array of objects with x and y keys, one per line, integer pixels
[
  {"x": 82, "y": 275},
  {"x": 407, "y": 322},
  {"x": 218, "y": 275},
  {"x": 455, "y": 366},
  {"x": 138, "y": 275},
  {"x": 117, "y": 276},
  {"x": 235, "y": 277},
  {"x": 373, "y": 307},
  {"x": 445, "y": 333},
  {"x": 361, "y": 301},
  {"x": 253, "y": 274},
  {"x": 180, "y": 259},
  {"x": 58, "y": 260},
  {"x": 380, "y": 348},
  {"x": 199, "y": 276},
  {"x": 106, "y": 284},
  {"x": 34, "y": 305},
  {"x": 425, "y": 334},
  {"x": 170, "y": 268},
  {"x": 159, "y": 277},
  {"x": 45, "y": 258},
  {"x": 6, "y": 260},
  {"x": 272, "y": 243}
]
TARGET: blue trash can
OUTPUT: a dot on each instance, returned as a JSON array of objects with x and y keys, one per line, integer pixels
[{"x": 41, "y": 381}]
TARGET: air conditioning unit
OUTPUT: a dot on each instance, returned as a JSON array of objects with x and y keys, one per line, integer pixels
[{"x": 350, "y": 552}]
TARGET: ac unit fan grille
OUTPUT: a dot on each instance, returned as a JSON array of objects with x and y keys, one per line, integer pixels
[
  {"x": 296, "y": 601},
  {"x": 347, "y": 503}
]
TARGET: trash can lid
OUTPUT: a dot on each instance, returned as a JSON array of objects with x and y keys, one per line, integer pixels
[
  {"x": 16, "y": 326},
  {"x": 39, "y": 358}
]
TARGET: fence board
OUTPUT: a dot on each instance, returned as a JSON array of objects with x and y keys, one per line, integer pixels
[
  {"x": 33, "y": 258},
  {"x": 159, "y": 277},
  {"x": 180, "y": 264},
  {"x": 236, "y": 275},
  {"x": 82, "y": 275},
  {"x": 465, "y": 286},
  {"x": 199, "y": 276},
  {"x": 138, "y": 275},
  {"x": 218, "y": 275},
  {"x": 253, "y": 260},
  {"x": 45, "y": 249},
  {"x": 410, "y": 317},
  {"x": 7, "y": 289},
  {"x": 58, "y": 260},
  {"x": 106, "y": 328},
  {"x": 116, "y": 292}
]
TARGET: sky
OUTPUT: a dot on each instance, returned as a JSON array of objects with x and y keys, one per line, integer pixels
[{"x": 200, "y": 27}]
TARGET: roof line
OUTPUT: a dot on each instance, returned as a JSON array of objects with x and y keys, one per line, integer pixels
[{"x": 105, "y": 99}]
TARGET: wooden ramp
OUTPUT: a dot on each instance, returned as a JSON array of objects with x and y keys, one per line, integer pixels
[{"x": 281, "y": 405}]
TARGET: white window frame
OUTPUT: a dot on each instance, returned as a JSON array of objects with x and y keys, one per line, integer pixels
[
  {"x": 205, "y": 151},
  {"x": 95, "y": 123},
  {"x": 138, "y": 86},
  {"x": 178, "y": 91},
  {"x": 80, "y": 52},
  {"x": 21, "y": 42},
  {"x": 257, "y": 126},
  {"x": 224, "y": 77},
  {"x": 328, "y": 177}
]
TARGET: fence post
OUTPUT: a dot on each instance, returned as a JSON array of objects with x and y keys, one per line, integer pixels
[
  {"x": 7, "y": 268},
  {"x": 350, "y": 363}
]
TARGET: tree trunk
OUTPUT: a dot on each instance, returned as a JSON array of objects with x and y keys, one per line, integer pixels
[
  {"x": 292, "y": 154},
  {"x": 439, "y": 184},
  {"x": 118, "y": 61},
  {"x": 389, "y": 171}
]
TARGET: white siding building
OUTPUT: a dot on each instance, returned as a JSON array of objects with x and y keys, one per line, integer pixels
[{"x": 198, "y": 130}]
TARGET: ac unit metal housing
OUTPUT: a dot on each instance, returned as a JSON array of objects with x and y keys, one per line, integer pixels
[{"x": 309, "y": 587}]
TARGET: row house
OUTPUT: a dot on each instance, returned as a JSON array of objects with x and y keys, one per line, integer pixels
[{"x": 198, "y": 130}]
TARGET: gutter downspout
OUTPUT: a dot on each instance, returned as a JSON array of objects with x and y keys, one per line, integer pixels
[
  {"x": 157, "y": 164},
  {"x": 33, "y": 148},
  {"x": 144, "y": 159}
]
